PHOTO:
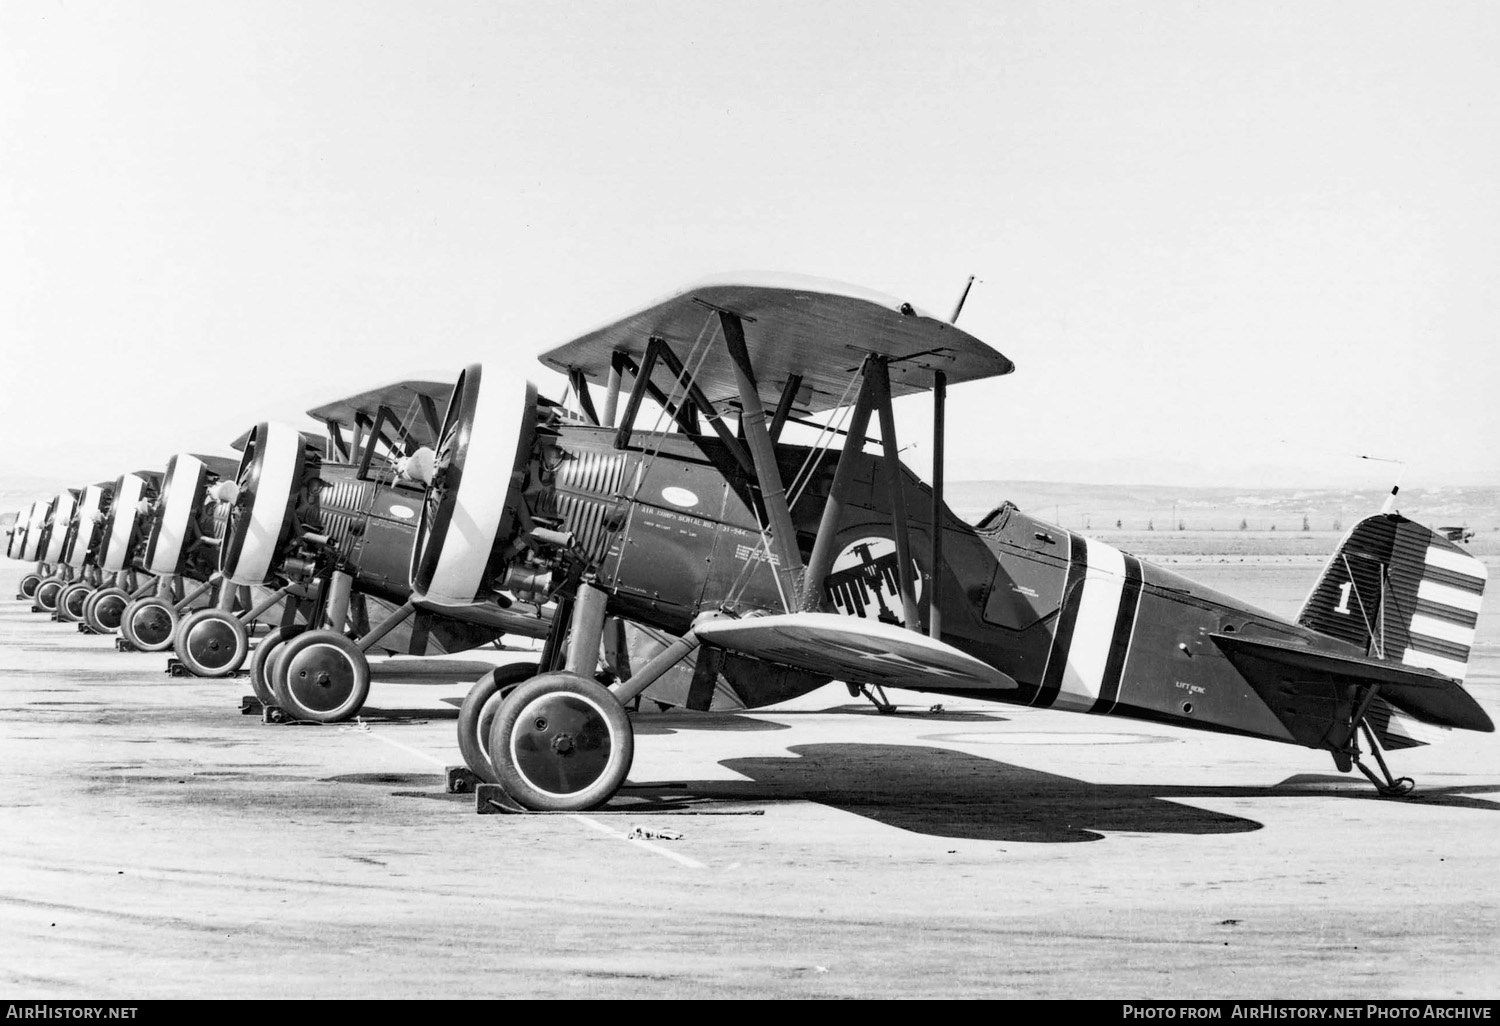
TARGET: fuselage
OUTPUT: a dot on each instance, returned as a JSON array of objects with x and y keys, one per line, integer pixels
[{"x": 1077, "y": 623}]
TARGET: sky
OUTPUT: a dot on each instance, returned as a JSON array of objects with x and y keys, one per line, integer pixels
[{"x": 1224, "y": 243}]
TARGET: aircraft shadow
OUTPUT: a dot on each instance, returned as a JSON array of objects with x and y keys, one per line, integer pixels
[
  {"x": 912, "y": 712},
  {"x": 943, "y": 793},
  {"x": 661, "y": 724},
  {"x": 377, "y": 714}
]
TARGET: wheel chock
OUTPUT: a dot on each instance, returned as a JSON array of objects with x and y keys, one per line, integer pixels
[
  {"x": 461, "y": 780},
  {"x": 84, "y": 628},
  {"x": 124, "y": 645},
  {"x": 250, "y": 706},
  {"x": 491, "y": 800},
  {"x": 175, "y": 668},
  {"x": 273, "y": 714}
]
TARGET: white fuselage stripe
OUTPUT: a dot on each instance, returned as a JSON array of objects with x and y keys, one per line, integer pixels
[
  {"x": 60, "y": 522},
  {"x": 87, "y": 510},
  {"x": 34, "y": 532},
  {"x": 172, "y": 529},
  {"x": 1094, "y": 629},
  {"x": 118, "y": 542},
  {"x": 268, "y": 507},
  {"x": 482, "y": 490}
]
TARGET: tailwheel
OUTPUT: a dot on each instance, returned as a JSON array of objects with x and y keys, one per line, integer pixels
[
  {"x": 477, "y": 714},
  {"x": 261, "y": 662},
  {"x": 320, "y": 676},
  {"x": 212, "y": 643},
  {"x": 70, "y": 602},
  {"x": 149, "y": 624},
  {"x": 47, "y": 593},
  {"x": 103, "y": 608},
  {"x": 29, "y": 584},
  {"x": 561, "y": 743}
]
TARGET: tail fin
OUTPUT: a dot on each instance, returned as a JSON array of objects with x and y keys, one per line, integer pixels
[{"x": 1402, "y": 593}]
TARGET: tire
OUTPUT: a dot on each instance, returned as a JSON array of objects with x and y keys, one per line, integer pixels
[
  {"x": 28, "y": 585},
  {"x": 320, "y": 676},
  {"x": 149, "y": 624},
  {"x": 47, "y": 593},
  {"x": 260, "y": 659},
  {"x": 103, "y": 609},
  {"x": 70, "y": 602},
  {"x": 561, "y": 743},
  {"x": 478, "y": 712},
  {"x": 212, "y": 643}
]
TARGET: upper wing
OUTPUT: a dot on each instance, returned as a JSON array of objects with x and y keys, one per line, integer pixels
[
  {"x": 854, "y": 650},
  {"x": 416, "y": 405},
  {"x": 794, "y": 325}
]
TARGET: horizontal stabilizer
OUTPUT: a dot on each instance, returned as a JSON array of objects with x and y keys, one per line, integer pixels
[
  {"x": 1424, "y": 694},
  {"x": 854, "y": 650}
]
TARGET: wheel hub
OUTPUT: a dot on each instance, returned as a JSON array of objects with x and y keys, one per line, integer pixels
[
  {"x": 108, "y": 611},
  {"x": 152, "y": 624},
  {"x": 212, "y": 643},
  {"x": 320, "y": 678},
  {"x": 567, "y": 747}
]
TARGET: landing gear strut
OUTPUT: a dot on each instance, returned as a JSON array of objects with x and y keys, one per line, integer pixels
[{"x": 1390, "y": 787}]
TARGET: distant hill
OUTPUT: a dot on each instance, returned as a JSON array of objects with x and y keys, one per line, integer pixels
[{"x": 1139, "y": 507}]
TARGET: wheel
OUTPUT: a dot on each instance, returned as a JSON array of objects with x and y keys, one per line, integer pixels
[
  {"x": 320, "y": 676},
  {"x": 478, "y": 712},
  {"x": 70, "y": 602},
  {"x": 260, "y": 660},
  {"x": 47, "y": 593},
  {"x": 28, "y": 585},
  {"x": 561, "y": 743},
  {"x": 1400, "y": 788},
  {"x": 149, "y": 624},
  {"x": 212, "y": 643},
  {"x": 102, "y": 609}
]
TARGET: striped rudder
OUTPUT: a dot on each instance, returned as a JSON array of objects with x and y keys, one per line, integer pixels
[{"x": 1402, "y": 593}]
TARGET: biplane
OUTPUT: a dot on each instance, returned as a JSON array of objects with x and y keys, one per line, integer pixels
[
  {"x": 329, "y": 523},
  {"x": 22, "y": 547},
  {"x": 783, "y": 566},
  {"x": 81, "y": 551},
  {"x": 51, "y": 538},
  {"x": 122, "y": 537},
  {"x": 180, "y": 549}
]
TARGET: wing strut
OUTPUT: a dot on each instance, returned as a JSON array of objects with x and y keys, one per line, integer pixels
[
  {"x": 763, "y": 452},
  {"x": 939, "y": 414},
  {"x": 821, "y": 560},
  {"x": 897, "y": 491},
  {"x": 581, "y": 389}
]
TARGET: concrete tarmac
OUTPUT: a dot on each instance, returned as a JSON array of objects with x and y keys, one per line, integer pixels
[{"x": 155, "y": 843}]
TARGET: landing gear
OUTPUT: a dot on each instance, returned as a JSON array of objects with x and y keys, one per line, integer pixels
[
  {"x": 29, "y": 585},
  {"x": 876, "y": 694},
  {"x": 47, "y": 593},
  {"x": 212, "y": 643},
  {"x": 477, "y": 714},
  {"x": 561, "y": 743},
  {"x": 70, "y": 602},
  {"x": 149, "y": 624},
  {"x": 102, "y": 609},
  {"x": 1390, "y": 787},
  {"x": 320, "y": 676}
]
